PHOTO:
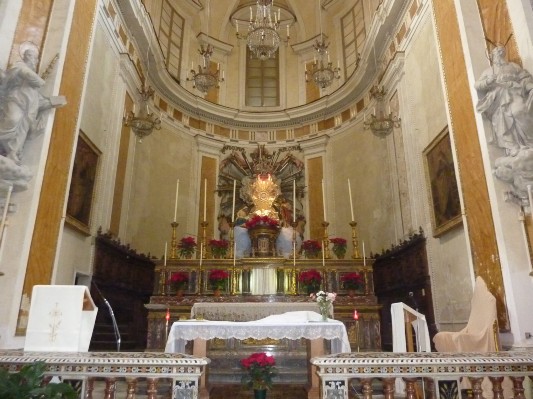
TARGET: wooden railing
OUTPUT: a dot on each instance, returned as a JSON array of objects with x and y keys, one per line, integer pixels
[
  {"x": 177, "y": 375},
  {"x": 438, "y": 373}
]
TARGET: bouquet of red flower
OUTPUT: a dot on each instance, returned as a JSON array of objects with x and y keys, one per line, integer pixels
[
  {"x": 257, "y": 220},
  {"x": 218, "y": 248},
  {"x": 217, "y": 278},
  {"x": 339, "y": 247},
  {"x": 311, "y": 248},
  {"x": 187, "y": 246},
  {"x": 352, "y": 281},
  {"x": 260, "y": 369},
  {"x": 310, "y": 279},
  {"x": 179, "y": 280}
]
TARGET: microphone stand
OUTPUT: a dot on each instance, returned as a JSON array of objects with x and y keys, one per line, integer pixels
[{"x": 112, "y": 314}]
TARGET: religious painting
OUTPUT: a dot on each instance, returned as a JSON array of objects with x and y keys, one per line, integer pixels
[
  {"x": 441, "y": 180},
  {"x": 81, "y": 193}
]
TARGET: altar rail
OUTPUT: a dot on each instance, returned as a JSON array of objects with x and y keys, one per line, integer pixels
[
  {"x": 179, "y": 372},
  {"x": 440, "y": 373}
]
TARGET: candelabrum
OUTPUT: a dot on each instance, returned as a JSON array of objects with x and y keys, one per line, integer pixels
[
  {"x": 322, "y": 71},
  {"x": 379, "y": 123},
  {"x": 325, "y": 241},
  {"x": 356, "y": 254},
  {"x": 174, "y": 241},
  {"x": 205, "y": 78},
  {"x": 144, "y": 122}
]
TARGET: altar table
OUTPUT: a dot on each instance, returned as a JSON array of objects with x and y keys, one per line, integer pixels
[{"x": 290, "y": 325}]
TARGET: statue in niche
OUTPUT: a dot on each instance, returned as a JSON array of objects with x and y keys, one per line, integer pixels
[
  {"x": 505, "y": 97},
  {"x": 21, "y": 113}
]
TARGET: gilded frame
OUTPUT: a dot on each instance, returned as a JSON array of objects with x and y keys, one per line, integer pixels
[
  {"x": 82, "y": 184},
  {"x": 442, "y": 184}
]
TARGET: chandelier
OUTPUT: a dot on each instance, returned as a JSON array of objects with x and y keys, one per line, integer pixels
[
  {"x": 263, "y": 38},
  {"x": 205, "y": 79},
  {"x": 380, "y": 124},
  {"x": 144, "y": 122},
  {"x": 322, "y": 71}
]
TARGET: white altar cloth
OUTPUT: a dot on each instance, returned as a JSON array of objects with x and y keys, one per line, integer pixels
[{"x": 290, "y": 325}]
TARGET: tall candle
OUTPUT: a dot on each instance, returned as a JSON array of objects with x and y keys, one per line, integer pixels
[
  {"x": 233, "y": 207},
  {"x": 351, "y": 203},
  {"x": 323, "y": 255},
  {"x": 201, "y": 252},
  {"x": 530, "y": 199},
  {"x": 205, "y": 200},
  {"x": 176, "y": 202},
  {"x": 364, "y": 254},
  {"x": 165, "y": 256},
  {"x": 294, "y": 201},
  {"x": 324, "y": 200}
]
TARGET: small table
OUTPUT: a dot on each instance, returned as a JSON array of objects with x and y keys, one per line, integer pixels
[{"x": 274, "y": 327}]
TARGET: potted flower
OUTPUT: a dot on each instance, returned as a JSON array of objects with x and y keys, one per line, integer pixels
[
  {"x": 324, "y": 301},
  {"x": 186, "y": 247},
  {"x": 218, "y": 248},
  {"x": 352, "y": 282},
  {"x": 179, "y": 280},
  {"x": 339, "y": 247},
  {"x": 260, "y": 370},
  {"x": 310, "y": 279},
  {"x": 311, "y": 248},
  {"x": 217, "y": 280},
  {"x": 28, "y": 383}
]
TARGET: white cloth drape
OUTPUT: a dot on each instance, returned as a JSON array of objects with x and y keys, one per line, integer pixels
[{"x": 263, "y": 281}]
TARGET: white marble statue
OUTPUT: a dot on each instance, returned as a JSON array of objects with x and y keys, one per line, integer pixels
[
  {"x": 21, "y": 104},
  {"x": 505, "y": 93}
]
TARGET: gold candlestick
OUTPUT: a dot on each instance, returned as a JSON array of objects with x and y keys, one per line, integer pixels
[
  {"x": 325, "y": 241},
  {"x": 174, "y": 241},
  {"x": 356, "y": 254},
  {"x": 204, "y": 225},
  {"x": 292, "y": 272},
  {"x": 163, "y": 280}
]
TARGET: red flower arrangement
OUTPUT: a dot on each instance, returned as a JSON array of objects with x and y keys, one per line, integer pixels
[
  {"x": 311, "y": 248},
  {"x": 257, "y": 220},
  {"x": 310, "y": 279},
  {"x": 260, "y": 369},
  {"x": 187, "y": 246},
  {"x": 179, "y": 279},
  {"x": 352, "y": 281},
  {"x": 218, "y": 247},
  {"x": 339, "y": 246},
  {"x": 217, "y": 278}
]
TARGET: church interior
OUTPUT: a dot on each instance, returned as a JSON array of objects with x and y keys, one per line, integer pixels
[{"x": 147, "y": 145}]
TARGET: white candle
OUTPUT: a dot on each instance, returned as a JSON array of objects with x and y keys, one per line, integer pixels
[
  {"x": 288, "y": 33},
  {"x": 251, "y": 14},
  {"x": 165, "y": 256},
  {"x": 201, "y": 252},
  {"x": 205, "y": 200},
  {"x": 192, "y": 65},
  {"x": 176, "y": 202},
  {"x": 324, "y": 200},
  {"x": 364, "y": 254},
  {"x": 233, "y": 207},
  {"x": 530, "y": 200},
  {"x": 294, "y": 200},
  {"x": 351, "y": 203},
  {"x": 237, "y": 26}
]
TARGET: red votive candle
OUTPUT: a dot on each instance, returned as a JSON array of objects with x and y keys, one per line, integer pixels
[{"x": 355, "y": 315}]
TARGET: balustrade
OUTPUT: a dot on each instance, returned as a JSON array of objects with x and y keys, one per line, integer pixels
[
  {"x": 177, "y": 374},
  {"x": 435, "y": 372}
]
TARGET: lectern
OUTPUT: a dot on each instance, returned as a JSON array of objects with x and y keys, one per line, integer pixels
[{"x": 61, "y": 319}]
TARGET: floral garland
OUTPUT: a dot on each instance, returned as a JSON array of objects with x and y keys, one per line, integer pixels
[{"x": 257, "y": 220}]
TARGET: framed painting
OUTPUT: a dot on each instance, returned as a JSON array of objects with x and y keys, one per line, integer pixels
[
  {"x": 82, "y": 184},
  {"x": 441, "y": 180}
]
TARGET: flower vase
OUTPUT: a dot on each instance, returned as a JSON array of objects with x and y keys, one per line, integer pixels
[
  {"x": 324, "y": 310},
  {"x": 216, "y": 292},
  {"x": 260, "y": 393},
  {"x": 179, "y": 294},
  {"x": 351, "y": 292},
  {"x": 340, "y": 255}
]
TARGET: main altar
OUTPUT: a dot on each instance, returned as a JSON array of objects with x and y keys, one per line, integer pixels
[{"x": 257, "y": 269}]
